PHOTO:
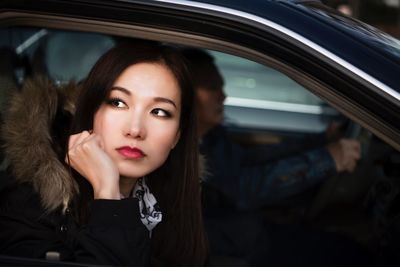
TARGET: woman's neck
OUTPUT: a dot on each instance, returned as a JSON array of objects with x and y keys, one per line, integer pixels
[{"x": 126, "y": 185}]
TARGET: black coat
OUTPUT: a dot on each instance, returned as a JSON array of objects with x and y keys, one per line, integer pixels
[
  {"x": 39, "y": 197},
  {"x": 113, "y": 235}
]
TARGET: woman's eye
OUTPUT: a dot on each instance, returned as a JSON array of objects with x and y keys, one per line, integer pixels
[
  {"x": 115, "y": 102},
  {"x": 160, "y": 112}
]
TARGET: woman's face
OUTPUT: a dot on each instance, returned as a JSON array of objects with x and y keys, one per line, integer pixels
[{"x": 139, "y": 121}]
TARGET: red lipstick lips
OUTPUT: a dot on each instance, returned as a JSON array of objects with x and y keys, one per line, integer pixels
[{"x": 131, "y": 153}]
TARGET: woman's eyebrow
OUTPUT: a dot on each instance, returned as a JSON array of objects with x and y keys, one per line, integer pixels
[
  {"x": 165, "y": 100},
  {"x": 156, "y": 99},
  {"x": 121, "y": 89}
]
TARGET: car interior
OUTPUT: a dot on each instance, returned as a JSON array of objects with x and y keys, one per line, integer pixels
[{"x": 263, "y": 106}]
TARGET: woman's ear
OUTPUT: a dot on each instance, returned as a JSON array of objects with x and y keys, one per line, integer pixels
[{"x": 178, "y": 135}]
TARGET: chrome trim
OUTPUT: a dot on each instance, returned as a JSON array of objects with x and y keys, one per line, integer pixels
[
  {"x": 31, "y": 40},
  {"x": 389, "y": 91}
]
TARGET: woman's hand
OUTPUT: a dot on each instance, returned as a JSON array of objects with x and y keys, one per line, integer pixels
[{"x": 86, "y": 156}]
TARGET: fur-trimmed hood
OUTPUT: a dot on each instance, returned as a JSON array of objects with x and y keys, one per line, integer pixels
[{"x": 31, "y": 139}]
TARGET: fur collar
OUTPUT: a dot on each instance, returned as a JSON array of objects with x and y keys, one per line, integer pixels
[{"x": 30, "y": 145}]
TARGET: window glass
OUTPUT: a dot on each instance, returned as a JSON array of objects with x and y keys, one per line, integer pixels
[
  {"x": 248, "y": 79},
  {"x": 60, "y": 55},
  {"x": 262, "y": 98}
]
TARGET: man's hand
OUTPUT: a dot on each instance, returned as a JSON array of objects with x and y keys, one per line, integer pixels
[{"x": 346, "y": 153}]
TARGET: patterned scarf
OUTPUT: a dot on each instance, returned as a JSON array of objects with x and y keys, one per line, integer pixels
[{"x": 150, "y": 213}]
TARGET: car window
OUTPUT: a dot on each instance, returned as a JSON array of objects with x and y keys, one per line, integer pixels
[
  {"x": 260, "y": 97},
  {"x": 251, "y": 80},
  {"x": 60, "y": 55}
]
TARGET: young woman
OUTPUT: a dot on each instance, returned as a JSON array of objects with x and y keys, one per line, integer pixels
[{"x": 131, "y": 195}]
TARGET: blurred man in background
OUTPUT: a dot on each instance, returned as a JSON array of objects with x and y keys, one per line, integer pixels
[{"x": 239, "y": 181}]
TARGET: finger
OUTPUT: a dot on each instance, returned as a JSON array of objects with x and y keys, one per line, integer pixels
[
  {"x": 74, "y": 142},
  {"x": 73, "y": 139},
  {"x": 77, "y": 139},
  {"x": 89, "y": 147}
]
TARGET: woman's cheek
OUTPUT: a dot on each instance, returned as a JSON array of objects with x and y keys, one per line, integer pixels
[{"x": 168, "y": 134}]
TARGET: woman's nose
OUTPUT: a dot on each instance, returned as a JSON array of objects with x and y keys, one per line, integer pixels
[{"x": 136, "y": 127}]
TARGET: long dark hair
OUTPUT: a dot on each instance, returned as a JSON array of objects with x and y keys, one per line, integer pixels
[{"x": 179, "y": 240}]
